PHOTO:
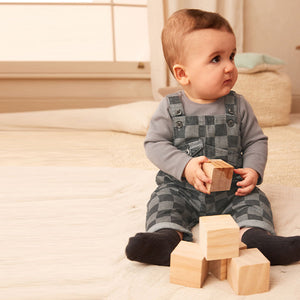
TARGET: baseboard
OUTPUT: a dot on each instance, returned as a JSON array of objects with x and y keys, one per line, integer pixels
[{"x": 47, "y": 94}]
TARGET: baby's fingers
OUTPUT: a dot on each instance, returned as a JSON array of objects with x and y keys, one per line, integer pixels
[
  {"x": 200, "y": 182},
  {"x": 240, "y": 171},
  {"x": 202, "y": 176},
  {"x": 243, "y": 183},
  {"x": 200, "y": 186},
  {"x": 243, "y": 191}
]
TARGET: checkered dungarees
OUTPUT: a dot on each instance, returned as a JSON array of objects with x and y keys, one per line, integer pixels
[{"x": 177, "y": 204}]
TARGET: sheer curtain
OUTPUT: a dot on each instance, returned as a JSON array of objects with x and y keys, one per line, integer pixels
[{"x": 158, "y": 12}]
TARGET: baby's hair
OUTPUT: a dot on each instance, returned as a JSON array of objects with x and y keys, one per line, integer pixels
[{"x": 183, "y": 22}]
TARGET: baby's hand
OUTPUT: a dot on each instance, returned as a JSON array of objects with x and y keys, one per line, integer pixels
[
  {"x": 194, "y": 174},
  {"x": 248, "y": 183}
]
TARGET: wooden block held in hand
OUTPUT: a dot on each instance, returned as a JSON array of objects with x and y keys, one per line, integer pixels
[
  {"x": 219, "y": 237},
  {"x": 249, "y": 273},
  {"x": 188, "y": 266},
  {"x": 220, "y": 172}
]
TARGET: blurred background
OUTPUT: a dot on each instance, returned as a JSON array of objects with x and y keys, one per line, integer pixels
[{"x": 75, "y": 54}]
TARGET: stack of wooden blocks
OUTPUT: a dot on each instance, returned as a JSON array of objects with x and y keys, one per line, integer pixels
[{"x": 220, "y": 253}]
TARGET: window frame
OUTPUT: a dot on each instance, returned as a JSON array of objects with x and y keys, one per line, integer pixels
[
  {"x": 77, "y": 69},
  {"x": 74, "y": 69}
]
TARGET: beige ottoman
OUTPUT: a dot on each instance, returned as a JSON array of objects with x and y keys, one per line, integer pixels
[{"x": 269, "y": 94}]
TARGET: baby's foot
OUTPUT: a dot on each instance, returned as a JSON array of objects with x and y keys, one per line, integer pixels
[
  {"x": 153, "y": 247},
  {"x": 277, "y": 249}
]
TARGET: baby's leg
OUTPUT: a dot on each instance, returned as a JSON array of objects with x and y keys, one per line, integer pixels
[
  {"x": 153, "y": 247},
  {"x": 169, "y": 215},
  {"x": 278, "y": 250},
  {"x": 253, "y": 213}
]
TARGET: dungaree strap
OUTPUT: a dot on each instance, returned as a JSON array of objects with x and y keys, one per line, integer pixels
[
  {"x": 176, "y": 107},
  {"x": 231, "y": 109}
]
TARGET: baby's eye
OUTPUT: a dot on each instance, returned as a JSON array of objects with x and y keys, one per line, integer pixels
[
  {"x": 232, "y": 56},
  {"x": 216, "y": 59}
]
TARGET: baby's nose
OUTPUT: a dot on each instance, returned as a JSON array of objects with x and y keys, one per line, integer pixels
[{"x": 229, "y": 67}]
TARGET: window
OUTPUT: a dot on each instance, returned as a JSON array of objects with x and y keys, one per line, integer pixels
[{"x": 74, "y": 30}]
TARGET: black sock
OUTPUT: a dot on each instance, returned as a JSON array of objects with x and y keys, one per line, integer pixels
[
  {"x": 278, "y": 250},
  {"x": 153, "y": 248}
]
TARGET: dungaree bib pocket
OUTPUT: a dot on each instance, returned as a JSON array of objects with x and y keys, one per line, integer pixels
[{"x": 193, "y": 148}]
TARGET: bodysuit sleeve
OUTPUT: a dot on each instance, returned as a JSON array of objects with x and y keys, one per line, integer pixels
[
  {"x": 254, "y": 142},
  {"x": 159, "y": 143}
]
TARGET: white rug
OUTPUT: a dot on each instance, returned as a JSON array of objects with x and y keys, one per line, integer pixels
[{"x": 64, "y": 230}]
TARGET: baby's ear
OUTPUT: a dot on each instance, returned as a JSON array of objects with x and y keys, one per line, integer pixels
[{"x": 180, "y": 74}]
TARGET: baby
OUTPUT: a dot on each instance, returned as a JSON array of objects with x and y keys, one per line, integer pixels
[{"x": 205, "y": 120}]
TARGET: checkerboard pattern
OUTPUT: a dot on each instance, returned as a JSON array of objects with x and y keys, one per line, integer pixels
[{"x": 178, "y": 205}]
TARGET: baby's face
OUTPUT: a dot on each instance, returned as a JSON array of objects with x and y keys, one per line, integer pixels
[{"x": 209, "y": 64}]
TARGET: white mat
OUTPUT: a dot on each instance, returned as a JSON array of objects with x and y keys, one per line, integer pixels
[{"x": 64, "y": 230}]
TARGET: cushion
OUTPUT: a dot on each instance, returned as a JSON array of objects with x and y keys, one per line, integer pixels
[
  {"x": 132, "y": 118},
  {"x": 257, "y": 62}
]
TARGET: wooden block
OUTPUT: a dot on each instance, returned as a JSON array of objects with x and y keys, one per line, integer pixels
[
  {"x": 220, "y": 173},
  {"x": 219, "y": 237},
  {"x": 243, "y": 246},
  {"x": 218, "y": 268},
  {"x": 188, "y": 266},
  {"x": 249, "y": 273}
]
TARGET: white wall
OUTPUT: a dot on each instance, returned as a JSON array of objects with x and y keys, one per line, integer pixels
[{"x": 273, "y": 27}]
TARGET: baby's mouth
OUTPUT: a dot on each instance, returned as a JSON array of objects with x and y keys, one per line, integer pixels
[{"x": 227, "y": 81}]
